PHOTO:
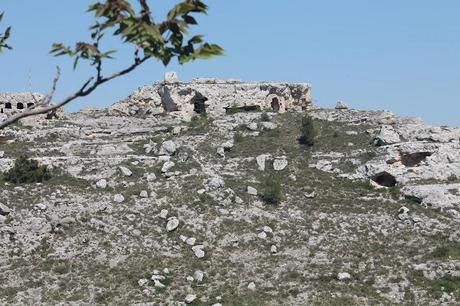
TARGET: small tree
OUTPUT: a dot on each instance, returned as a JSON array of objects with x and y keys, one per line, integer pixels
[
  {"x": 161, "y": 41},
  {"x": 307, "y": 131},
  {"x": 27, "y": 170}
]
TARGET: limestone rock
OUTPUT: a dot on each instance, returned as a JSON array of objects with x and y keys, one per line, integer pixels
[
  {"x": 125, "y": 171},
  {"x": 118, "y": 198},
  {"x": 164, "y": 214},
  {"x": 252, "y": 191},
  {"x": 214, "y": 182},
  {"x": 168, "y": 148},
  {"x": 252, "y": 126},
  {"x": 190, "y": 241},
  {"x": 172, "y": 224},
  {"x": 198, "y": 251},
  {"x": 4, "y": 210},
  {"x": 387, "y": 136},
  {"x": 261, "y": 161},
  {"x": 167, "y": 166},
  {"x": 198, "y": 276},
  {"x": 142, "y": 282},
  {"x": 442, "y": 196},
  {"x": 262, "y": 235},
  {"x": 343, "y": 276},
  {"x": 190, "y": 298},
  {"x": 280, "y": 164},
  {"x": 341, "y": 105},
  {"x": 102, "y": 184}
]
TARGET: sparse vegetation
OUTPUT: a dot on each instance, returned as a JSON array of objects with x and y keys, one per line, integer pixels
[
  {"x": 307, "y": 131},
  {"x": 26, "y": 170},
  {"x": 448, "y": 284},
  {"x": 307, "y": 210},
  {"x": 271, "y": 189},
  {"x": 449, "y": 250},
  {"x": 238, "y": 137}
]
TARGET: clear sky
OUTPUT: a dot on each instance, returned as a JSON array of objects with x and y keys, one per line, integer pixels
[{"x": 399, "y": 55}]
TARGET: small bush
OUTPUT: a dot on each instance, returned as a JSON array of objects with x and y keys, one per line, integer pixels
[
  {"x": 264, "y": 117},
  {"x": 238, "y": 137},
  {"x": 307, "y": 131},
  {"x": 271, "y": 190},
  {"x": 25, "y": 171},
  {"x": 369, "y": 155}
]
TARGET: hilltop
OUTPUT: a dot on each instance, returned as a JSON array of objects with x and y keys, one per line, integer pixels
[{"x": 153, "y": 209}]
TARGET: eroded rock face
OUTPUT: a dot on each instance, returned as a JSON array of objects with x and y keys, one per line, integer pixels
[
  {"x": 408, "y": 154},
  {"x": 387, "y": 136},
  {"x": 213, "y": 96},
  {"x": 443, "y": 196}
]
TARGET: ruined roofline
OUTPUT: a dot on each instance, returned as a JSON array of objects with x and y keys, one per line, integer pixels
[
  {"x": 171, "y": 79},
  {"x": 214, "y": 96},
  {"x": 12, "y": 95}
]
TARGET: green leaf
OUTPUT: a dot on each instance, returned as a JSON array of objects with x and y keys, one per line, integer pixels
[{"x": 75, "y": 63}]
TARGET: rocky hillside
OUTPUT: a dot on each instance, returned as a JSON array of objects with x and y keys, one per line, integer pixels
[{"x": 163, "y": 212}]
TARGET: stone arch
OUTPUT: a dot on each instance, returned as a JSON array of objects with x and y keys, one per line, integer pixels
[
  {"x": 20, "y": 105},
  {"x": 276, "y": 103}
]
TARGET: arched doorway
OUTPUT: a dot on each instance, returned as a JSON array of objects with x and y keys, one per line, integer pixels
[
  {"x": 199, "y": 103},
  {"x": 275, "y": 104},
  {"x": 20, "y": 106},
  {"x": 8, "y": 105}
]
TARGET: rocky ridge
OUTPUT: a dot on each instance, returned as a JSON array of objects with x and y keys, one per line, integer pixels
[{"x": 163, "y": 211}]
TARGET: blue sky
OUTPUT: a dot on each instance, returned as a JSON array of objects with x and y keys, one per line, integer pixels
[{"x": 397, "y": 55}]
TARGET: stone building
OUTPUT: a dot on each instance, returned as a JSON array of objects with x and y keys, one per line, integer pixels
[
  {"x": 209, "y": 95},
  {"x": 11, "y": 103}
]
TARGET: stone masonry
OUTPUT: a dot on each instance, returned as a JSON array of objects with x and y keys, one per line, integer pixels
[
  {"x": 214, "y": 96},
  {"x": 11, "y": 103}
]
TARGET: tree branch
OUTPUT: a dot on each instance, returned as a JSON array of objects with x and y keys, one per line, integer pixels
[
  {"x": 145, "y": 11},
  {"x": 82, "y": 92}
]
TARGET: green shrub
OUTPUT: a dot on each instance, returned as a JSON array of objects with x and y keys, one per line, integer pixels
[
  {"x": 26, "y": 170},
  {"x": 271, "y": 190},
  {"x": 307, "y": 131},
  {"x": 238, "y": 137}
]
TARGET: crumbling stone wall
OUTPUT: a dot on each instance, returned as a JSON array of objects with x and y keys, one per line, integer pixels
[
  {"x": 213, "y": 96},
  {"x": 11, "y": 103}
]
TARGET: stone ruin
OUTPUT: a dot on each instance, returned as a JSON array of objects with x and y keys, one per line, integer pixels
[
  {"x": 12, "y": 103},
  {"x": 213, "y": 96}
]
